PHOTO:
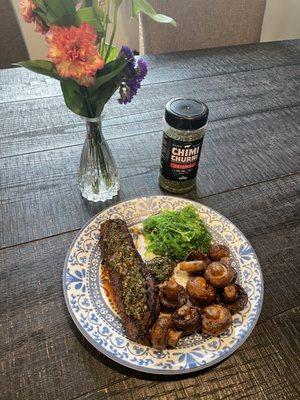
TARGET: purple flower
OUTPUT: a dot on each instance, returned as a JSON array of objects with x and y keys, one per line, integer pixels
[
  {"x": 127, "y": 53},
  {"x": 142, "y": 69},
  {"x": 134, "y": 76}
]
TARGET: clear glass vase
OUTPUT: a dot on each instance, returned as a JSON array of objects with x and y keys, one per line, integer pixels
[{"x": 98, "y": 174}]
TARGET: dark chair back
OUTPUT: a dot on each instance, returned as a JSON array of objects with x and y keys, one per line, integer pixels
[
  {"x": 12, "y": 45},
  {"x": 202, "y": 24}
]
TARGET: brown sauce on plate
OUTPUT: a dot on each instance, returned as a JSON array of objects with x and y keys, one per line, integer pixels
[{"x": 108, "y": 290}]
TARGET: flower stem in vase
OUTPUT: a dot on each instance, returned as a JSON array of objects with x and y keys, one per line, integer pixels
[{"x": 98, "y": 176}]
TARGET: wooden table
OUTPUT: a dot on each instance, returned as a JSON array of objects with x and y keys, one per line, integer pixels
[{"x": 248, "y": 173}]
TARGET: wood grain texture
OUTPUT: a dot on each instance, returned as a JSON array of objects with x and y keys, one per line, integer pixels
[
  {"x": 248, "y": 173},
  {"x": 40, "y": 197},
  {"x": 167, "y": 67},
  {"x": 65, "y": 367},
  {"x": 41, "y": 123},
  {"x": 44, "y": 356}
]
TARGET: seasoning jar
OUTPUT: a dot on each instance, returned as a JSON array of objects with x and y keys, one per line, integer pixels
[{"x": 184, "y": 127}]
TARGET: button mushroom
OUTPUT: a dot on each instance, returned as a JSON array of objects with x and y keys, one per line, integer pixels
[
  {"x": 200, "y": 291},
  {"x": 173, "y": 337},
  {"x": 217, "y": 251},
  {"x": 226, "y": 261},
  {"x": 172, "y": 296},
  {"x": 187, "y": 319},
  {"x": 193, "y": 266},
  {"x": 219, "y": 275},
  {"x": 234, "y": 298},
  {"x": 159, "y": 334},
  {"x": 196, "y": 255},
  {"x": 163, "y": 333},
  {"x": 196, "y": 262},
  {"x": 216, "y": 320}
]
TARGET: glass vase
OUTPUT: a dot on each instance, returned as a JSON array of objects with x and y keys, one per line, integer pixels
[{"x": 98, "y": 174}]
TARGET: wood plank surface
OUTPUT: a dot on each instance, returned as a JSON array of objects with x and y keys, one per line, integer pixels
[
  {"x": 64, "y": 366},
  {"x": 32, "y": 122},
  {"x": 40, "y": 189},
  {"x": 167, "y": 67},
  {"x": 266, "y": 213},
  {"x": 39, "y": 333},
  {"x": 247, "y": 173}
]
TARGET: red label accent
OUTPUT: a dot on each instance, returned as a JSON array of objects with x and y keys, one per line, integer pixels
[{"x": 183, "y": 166}]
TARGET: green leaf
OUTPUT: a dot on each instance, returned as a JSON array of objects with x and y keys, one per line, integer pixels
[
  {"x": 98, "y": 11},
  {"x": 41, "y": 67},
  {"x": 134, "y": 9},
  {"x": 86, "y": 14},
  {"x": 74, "y": 98},
  {"x": 42, "y": 15},
  {"x": 112, "y": 54},
  {"x": 107, "y": 82},
  {"x": 41, "y": 10},
  {"x": 92, "y": 17},
  {"x": 56, "y": 9},
  {"x": 65, "y": 20},
  {"x": 40, "y": 4},
  {"x": 104, "y": 94},
  {"x": 89, "y": 102},
  {"x": 163, "y": 19},
  {"x": 108, "y": 73},
  {"x": 62, "y": 6},
  {"x": 144, "y": 7}
]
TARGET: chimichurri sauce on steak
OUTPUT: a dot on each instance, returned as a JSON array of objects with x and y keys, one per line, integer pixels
[{"x": 132, "y": 283}]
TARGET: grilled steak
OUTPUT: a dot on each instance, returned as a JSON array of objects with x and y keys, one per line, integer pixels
[{"x": 132, "y": 283}]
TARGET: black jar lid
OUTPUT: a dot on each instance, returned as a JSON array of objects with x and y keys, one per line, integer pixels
[{"x": 186, "y": 114}]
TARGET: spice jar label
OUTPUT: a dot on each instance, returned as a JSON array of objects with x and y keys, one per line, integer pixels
[{"x": 179, "y": 159}]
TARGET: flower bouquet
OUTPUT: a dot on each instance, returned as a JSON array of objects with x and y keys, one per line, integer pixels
[{"x": 82, "y": 56}]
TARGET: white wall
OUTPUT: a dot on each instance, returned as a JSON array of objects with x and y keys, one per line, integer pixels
[
  {"x": 36, "y": 46},
  {"x": 281, "y": 22}
]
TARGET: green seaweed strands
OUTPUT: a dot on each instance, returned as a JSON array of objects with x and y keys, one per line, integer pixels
[{"x": 175, "y": 233}]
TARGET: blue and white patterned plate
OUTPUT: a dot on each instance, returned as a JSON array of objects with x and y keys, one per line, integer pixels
[{"x": 89, "y": 302}]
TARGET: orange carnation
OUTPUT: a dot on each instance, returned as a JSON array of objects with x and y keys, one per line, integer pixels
[
  {"x": 27, "y": 10},
  {"x": 74, "y": 52}
]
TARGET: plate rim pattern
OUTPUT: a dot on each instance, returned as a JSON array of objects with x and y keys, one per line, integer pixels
[{"x": 149, "y": 369}]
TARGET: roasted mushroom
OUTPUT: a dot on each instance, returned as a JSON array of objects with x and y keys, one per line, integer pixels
[
  {"x": 159, "y": 334},
  {"x": 216, "y": 320},
  {"x": 233, "y": 297},
  {"x": 217, "y": 251},
  {"x": 187, "y": 319},
  {"x": 219, "y": 275},
  {"x": 200, "y": 291},
  {"x": 173, "y": 337},
  {"x": 196, "y": 262},
  {"x": 226, "y": 261},
  {"x": 163, "y": 333},
  {"x": 193, "y": 266},
  {"x": 197, "y": 255},
  {"x": 172, "y": 296}
]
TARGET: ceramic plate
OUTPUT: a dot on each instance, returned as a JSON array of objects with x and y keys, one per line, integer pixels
[{"x": 88, "y": 297}]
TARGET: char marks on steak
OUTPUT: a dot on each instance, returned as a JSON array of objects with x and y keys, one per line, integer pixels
[{"x": 117, "y": 247}]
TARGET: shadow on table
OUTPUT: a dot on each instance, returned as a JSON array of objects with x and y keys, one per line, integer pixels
[{"x": 131, "y": 373}]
